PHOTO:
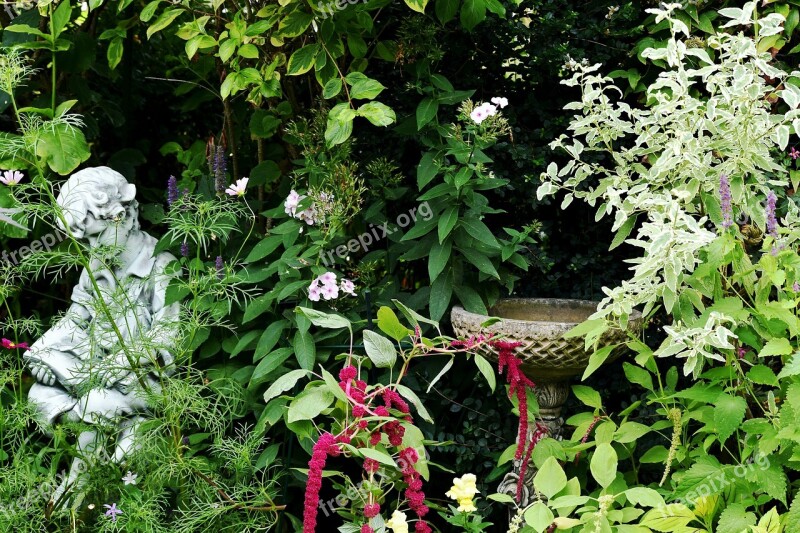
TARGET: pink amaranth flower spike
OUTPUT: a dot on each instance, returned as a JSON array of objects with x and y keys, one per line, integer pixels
[
  {"x": 325, "y": 446},
  {"x": 239, "y": 188},
  {"x": 11, "y": 177}
]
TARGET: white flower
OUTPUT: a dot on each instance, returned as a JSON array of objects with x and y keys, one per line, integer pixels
[
  {"x": 500, "y": 101},
  {"x": 482, "y": 112},
  {"x": 239, "y": 188},
  {"x": 11, "y": 177},
  {"x": 347, "y": 287},
  {"x": 397, "y": 523},
  {"x": 130, "y": 478},
  {"x": 290, "y": 205}
]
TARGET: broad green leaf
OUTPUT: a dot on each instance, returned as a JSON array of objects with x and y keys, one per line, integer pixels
[
  {"x": 644, "y": 496},
  {"x": 114, "y": 53},
  {"x": 668, "y": 519},
  {"x": 417, "y": 5},
  {"x": 588, "y": 396},
  {"x": 438, "y": 259},
  {"x": 441, "y": 294},
  {"x": 389, "y": 324},
  {"x": 473, "y": 12},
  {"x": 377, "y": 113},
  {"x": 447, "y": 222},
  {"x": 377, "y": 455},
  {"x": 269, "y": 363},
  {"x": 310, "y": 403},
  {"x": 304, "y": 349},
  {"x": 338, "y": 131},
  {"x": 446, "y": 10},
  {"x": 597, "y": 358},
  {"x": 539, "y": 517},
  {"x": 426, "y": 110},
  {"x": 380, "y": 350},
  {"x": 63, "y": 148},
  {"x": 550, "y": 478},
  {"x": 427, "y": 169},
  {"x": 332, "y": 88},
  {"x": 366, "y": 89},
  {"x": 162, "y": 22},
  {"x": 728, "y": 414},
  {"x": 324, "y": 320},
  {"x": 302, "y": 60},
  {"x": 412, "y": 316},
  {"x": 284, "y": 383},
  {"x": 780, "y": 346},
  {"x": 604, "y": 464}
]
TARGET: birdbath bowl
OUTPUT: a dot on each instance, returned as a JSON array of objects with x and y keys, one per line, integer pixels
[{"x": 549, "y": 360}]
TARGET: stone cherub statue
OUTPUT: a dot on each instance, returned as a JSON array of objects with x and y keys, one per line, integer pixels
[{"x": 96, "y": 363}]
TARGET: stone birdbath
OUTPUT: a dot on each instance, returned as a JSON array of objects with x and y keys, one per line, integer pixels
[{"x": 549, "y": 359}]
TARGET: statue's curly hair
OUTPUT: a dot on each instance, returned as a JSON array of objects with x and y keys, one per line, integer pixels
[{"x": 101, "y": 191}]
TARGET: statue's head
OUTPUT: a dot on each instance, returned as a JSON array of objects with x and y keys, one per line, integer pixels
[{"x": 98, "y": 199}]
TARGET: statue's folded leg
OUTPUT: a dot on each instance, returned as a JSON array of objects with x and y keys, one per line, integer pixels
[{"x": 50, "y": 402}]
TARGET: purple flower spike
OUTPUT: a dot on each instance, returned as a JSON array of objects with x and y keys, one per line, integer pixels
[
  {"x": 172, "y": 190},
  {"x": 725, "y": 201},
  {"x": 220, "y": 167},
  {"x": 220, "y": 265},
  {"x": 185, "y": 249},
  {"x": 772, "y": 221}
]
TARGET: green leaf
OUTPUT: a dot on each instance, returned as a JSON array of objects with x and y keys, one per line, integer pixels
[
  {"x": 728, "y": 414},
  {"x": 550, "y": 478},
  {"x": 597, "y": 358},
  {"x": 480, "y": 231},
  {"x": 61, "y": 17},
  {"x": 440, "y": 295},
  {"x": 376, "y": 455},
  {"x": 304, "y": 349},
  {"x": 487, "y": 370},
  {"x": 447, "y": 222},
  {"x": 471, "y": 300},
  {"x": 439, "y": 256},
  {"x": 166, "y": 18},
  {"x": 735, "y": 519},
  {"x": 623, "y": 232},
  {"x": 389, "y": 324},
  {"x": 244, "y": 342},
  {"x": 324, "y": 320},
  {"x": 668, "y": 519},
  {"x": 780, "y": 346},
  {"x": 295, "y": 24},
  {"x": 417, "y": 5},
  {"x": 539, "y": 517},
  {"x": 310, "y": 403},
  {"x": 763, "y": 375},
  {"x": 426, "y": 110},
  {"x": 588, "y": 396},
  {"x": 332, "y": 88},
  {"x": 644, "y": 496},
  {"x": 249, "y": 51},
  {"x": 333, "y": 385},
  {"x": 114, "y": 53},
  {"x": 427, "y": 169},
  {"x": 604, "y": 464},
  {"x": 412, "y": 316},
  {"x": 302, "y": 60},
  {"x": 473, "y": 12},
  {"x": 338, "y": 131},
  {"x": 269, "y": 363},
  {"x": 411, "y": 396},
  {"x": 380, "y": 350},
  {"x": 149, "y": 10},
  {"x": 638, "y": 375},
  {"x": 481, "y": 261},
  {"x": 63, "y": 148},
  {"x": 377, "y": 113},
  {"x": 366, "y": 89},
  {"x": 284, "y": 383},
  {"x": 446, "y": 10}
]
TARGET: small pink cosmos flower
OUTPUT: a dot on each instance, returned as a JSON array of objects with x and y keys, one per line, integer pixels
[
  {"x": 239, "y": 188},
  {"x": 11, "y": 345},
  {"x": 11, "y": 177}
]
